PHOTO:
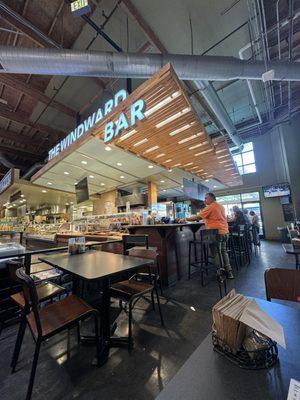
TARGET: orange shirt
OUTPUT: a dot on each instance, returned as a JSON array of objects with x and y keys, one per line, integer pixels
[{"x": 214, "y": 217}]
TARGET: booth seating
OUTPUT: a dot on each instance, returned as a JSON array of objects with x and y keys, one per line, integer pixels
[{"x": 282, "y": 284}]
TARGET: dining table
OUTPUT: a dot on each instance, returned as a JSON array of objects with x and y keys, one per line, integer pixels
[
  {"x": 208, "y": 374},
  {"x": 98, "y": 266}
]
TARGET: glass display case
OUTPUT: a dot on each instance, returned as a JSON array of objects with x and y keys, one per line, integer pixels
[
  {"x": 110, "y": 226},
  {"x": 45, "y": 232}
]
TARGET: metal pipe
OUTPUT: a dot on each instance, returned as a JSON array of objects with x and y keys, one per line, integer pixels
[
  {"x": 131, "y": 65},
  {"x": 218, "y": 107},
  {"x": 249, "y": 83},
  {"x": 279, "y": 44}
]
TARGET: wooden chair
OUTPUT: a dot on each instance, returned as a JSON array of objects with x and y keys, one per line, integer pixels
[
  {"x": 45, "y": 290},
  {"x": 48, "y": 321},
  {"x": 282, "y": 284},
  {"x": 130, "y": 241},
  {"x": 133, "y": 290}
]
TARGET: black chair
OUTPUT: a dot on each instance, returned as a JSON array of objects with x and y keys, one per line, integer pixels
[
  {"x": 240, "y": 241},
  {"x": 49, "y": 321},
  {"x": 130, "y": 241},
  {"x": 208, "y": 238},
  {"x": 132, "y": 290},
  {"x": 283, "y": 233}
]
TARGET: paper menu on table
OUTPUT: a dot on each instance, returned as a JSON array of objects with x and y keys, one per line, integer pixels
[
  {"x": 257, "y": 319},
  {"x": 294, "y": 390}
]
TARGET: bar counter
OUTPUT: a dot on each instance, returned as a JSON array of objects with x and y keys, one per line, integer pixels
[{"x": 171, "y": 241}]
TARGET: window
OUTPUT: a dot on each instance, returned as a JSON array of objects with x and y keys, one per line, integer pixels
[{"x": 245, "y": 160}]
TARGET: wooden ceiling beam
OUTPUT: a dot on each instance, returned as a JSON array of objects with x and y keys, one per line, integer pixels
[
  {"x": 22, "y": 119},
  {"x": 144, "y": 26},
  {"x": 18, "y": 138},
  {"x": 20, "y": 152},
  {"x": 35, "y": 93},
  {"x": 22, "y": 24}
]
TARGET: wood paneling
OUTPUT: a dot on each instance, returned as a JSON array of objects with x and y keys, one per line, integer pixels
[{"x": 171, "y": 142}]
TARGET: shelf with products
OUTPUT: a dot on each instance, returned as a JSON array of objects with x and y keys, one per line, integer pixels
[
  {"x": 41, "y": 231},
  {"x": 12, "y": 224}
]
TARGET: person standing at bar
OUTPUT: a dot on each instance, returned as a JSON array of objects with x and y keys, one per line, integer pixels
[
  {"x": 215, "y": 218},
  {"x": 255, "y": 228}
]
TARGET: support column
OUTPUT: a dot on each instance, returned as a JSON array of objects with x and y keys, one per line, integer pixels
[{"x": 152, "y": 193}]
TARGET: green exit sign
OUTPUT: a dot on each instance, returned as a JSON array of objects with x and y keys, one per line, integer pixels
[{"x": 80, "y": 7}]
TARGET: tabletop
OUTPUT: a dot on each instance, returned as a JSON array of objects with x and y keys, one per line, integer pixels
[
  {"x": 94, "y": 265},
  {"x": 290, "y": 249},
  {"x": 209, "y": 375}
]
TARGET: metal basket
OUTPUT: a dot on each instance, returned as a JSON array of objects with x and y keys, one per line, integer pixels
[{"x": 258, "y": 359}]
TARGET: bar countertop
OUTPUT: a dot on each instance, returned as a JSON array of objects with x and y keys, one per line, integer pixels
[{"x": 165, "y": 226}]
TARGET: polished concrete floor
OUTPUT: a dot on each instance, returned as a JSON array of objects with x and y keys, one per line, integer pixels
[{"x": 65, "y": 369}]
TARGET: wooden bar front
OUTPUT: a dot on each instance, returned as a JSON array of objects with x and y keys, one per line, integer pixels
[{"x": 172, "y": 242}]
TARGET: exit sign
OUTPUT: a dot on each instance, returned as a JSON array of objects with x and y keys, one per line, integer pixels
[{"x": 80, "y": 7}]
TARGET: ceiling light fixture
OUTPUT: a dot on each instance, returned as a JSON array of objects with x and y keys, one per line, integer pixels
[
  {"x": 220, "y": 151},
  {"x": 190, "y": 163},
  {"x": 160, "y": 155},
  {"x": 150, "y": 166},
  {"x": 119, "y": 164},
  {"x": 206, "y": 180},
  {"x": 49, "y": 183},
  {"x": 67, "y": 173},
  {"x": 162, "y": 181},
  {"x": 203, "y": 152},
  {"x": 190, "y": 138},
  {"x": 22, "y": 195},
  {"x": 107, "y": 148},
  {"x": 151, "y": 149},
  {"x": 162, "y": 103},
  {"x": 176, "y": 165},
  {"x": 44, "y": 191},
  {"x": 84, "y": 162},
  {"x": 170, "y": 170},
  {"x": 140, "y": 142},
  {"x": 91, "y": 176},
  {"x": 122, "y": 176},
  {"x": 102, "y": 184},
  {"x": 183, "y": 128},
  {"x": 198, "y": 145},
  {"x": 127, "y": 135},
  {"x": 173, "y": 117},
  {"x": 169, "y": 160}
]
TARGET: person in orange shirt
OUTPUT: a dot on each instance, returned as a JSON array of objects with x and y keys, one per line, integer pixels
[{"x": 214, "y": 218}]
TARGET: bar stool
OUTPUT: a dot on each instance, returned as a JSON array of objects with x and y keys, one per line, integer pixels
[
  {"x": 240, "y": 242},
  {"x": 231, "y": 251},
  {"x": 208, "y": 237}
]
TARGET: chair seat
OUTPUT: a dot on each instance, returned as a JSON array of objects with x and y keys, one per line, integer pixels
[
  {"x": 40, "y": 267},
  {"x": 55, "y": 316},
  {"x": 129, "y": 288},
  {"x": 44, "y": 291}
]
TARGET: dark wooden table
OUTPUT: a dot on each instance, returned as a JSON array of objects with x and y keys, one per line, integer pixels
[
  {"x": 290, "y": 249},
  {"x": 209, "y": 375},
  {"x": 98, "y": 266}
]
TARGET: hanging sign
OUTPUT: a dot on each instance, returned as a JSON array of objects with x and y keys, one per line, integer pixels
[
  {"x": 111, "y": 129},
  {"x": 80, "y": 7},
  {"x": 8, "y": 180}
]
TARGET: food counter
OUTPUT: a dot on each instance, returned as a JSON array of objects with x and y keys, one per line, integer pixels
[{"x": 172, "y": 242}]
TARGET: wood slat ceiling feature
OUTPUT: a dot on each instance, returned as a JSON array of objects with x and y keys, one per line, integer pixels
[{"x": 175, "y": 137}]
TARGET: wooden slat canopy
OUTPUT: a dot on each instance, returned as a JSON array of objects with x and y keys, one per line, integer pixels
[{"x": 172, "y": 135}]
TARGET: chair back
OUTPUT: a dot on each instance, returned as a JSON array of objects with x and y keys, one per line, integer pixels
[
  {"x": 130, "y": 241},
  {"x": 30, "y": 296},
  {"x": 13, "y": 266},
  {"x": 283, "y": 234},
  {"x": 282, "y": 284},
  {"x": 149, "y": 254}
]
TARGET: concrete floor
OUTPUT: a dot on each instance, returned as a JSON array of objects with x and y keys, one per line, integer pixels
[{"x": 65, "y": 372}]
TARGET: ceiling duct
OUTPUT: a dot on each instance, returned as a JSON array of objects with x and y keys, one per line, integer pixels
[{"x": 132, "y": 65}]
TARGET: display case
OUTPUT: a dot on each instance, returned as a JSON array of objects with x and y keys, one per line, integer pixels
[
  {"x": 99, "y": 227},
  {"x": 41, "y": 232}
]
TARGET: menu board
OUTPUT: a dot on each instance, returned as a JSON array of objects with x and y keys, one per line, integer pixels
[
  {"x": 288, "y": 212},
  {"x": 8, "y": 179}
]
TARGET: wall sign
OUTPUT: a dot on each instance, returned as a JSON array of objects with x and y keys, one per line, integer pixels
[
  {"x": 111, "y": 129},
  {"x": 7, "y": 180},
  {"x": 80, "y": 7}
]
